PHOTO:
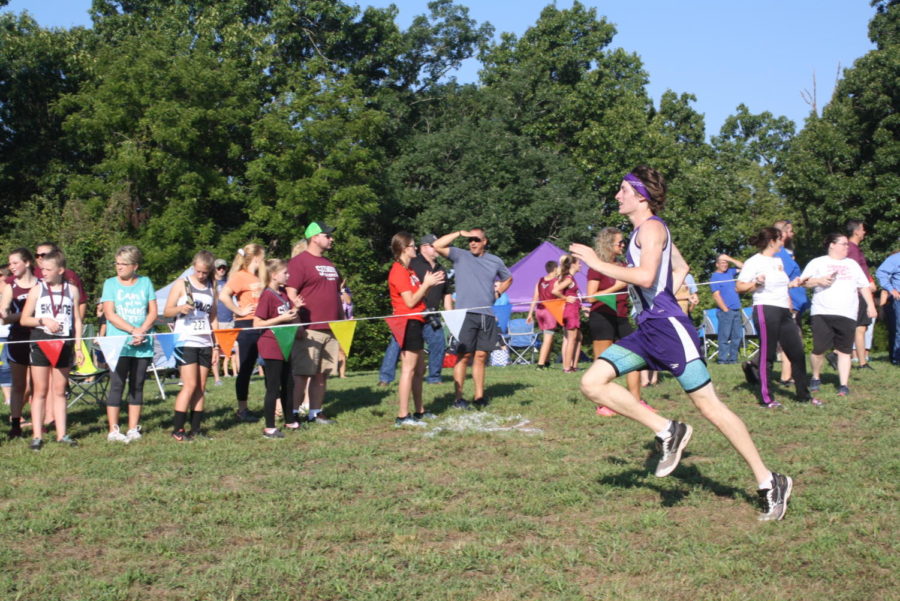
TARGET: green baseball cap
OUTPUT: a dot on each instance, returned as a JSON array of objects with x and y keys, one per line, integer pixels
[{"x": 317, "y": 227}]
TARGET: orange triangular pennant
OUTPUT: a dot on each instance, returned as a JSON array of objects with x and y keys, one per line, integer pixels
[
  {"x": 343, "y": 331},
  {"x": 556, "y": 308},
  {"x": 398, "y": 328},
  {"x": 52, "y": 349},
  {"x": 225, "y": 339}
]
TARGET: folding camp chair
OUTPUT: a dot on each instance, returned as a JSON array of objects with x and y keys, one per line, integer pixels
[
  {"x": 750, "y": 342},
  {"x": 521, "y": 339},
  {"x": 710, "y": 334},
  {"x": 87, "y": 381}
]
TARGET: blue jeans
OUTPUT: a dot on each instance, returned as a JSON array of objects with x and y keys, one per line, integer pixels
[
  {"x": 434, "y": 341},
  {"x": 730, "y": 334},
  {"x": 894, "y": 342}
]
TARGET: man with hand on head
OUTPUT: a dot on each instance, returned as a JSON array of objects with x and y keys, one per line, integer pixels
[{"x": 475, "y": 271}]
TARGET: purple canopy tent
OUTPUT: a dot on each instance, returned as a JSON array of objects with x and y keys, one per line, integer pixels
[{"x": 530, "y": 268}]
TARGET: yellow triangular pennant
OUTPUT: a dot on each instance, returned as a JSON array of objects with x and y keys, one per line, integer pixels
[{"x": 343, "y": 331}]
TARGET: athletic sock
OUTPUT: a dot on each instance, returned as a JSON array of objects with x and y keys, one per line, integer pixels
[
  {"x": 767, "y": 483},
  {"x": 196, "y": 419},
  {"x": 313, "y": 413},
  {"x": 665, "y": 434},
  {"x": 178, "y": 422}
]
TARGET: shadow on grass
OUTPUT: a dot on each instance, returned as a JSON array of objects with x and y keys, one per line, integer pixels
[
  {"x": 350, "y": 399},
  {"x": 669, "y": 497}
]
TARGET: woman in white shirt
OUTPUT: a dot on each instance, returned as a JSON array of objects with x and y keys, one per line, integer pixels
[
  {"x": 764, "y": 275},
  {"x": 835, "y": 280}
]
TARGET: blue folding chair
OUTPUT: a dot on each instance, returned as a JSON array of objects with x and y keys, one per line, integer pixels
[
  {"x": 521, "y": 340},
  {"x": 709, "y": 332},
  {"x": 750, "y": 339}
]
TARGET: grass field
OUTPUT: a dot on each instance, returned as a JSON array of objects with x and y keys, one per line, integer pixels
[{"x": 553, "y": 503}]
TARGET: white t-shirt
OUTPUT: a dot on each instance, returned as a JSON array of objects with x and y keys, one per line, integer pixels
[
  {"x": 841, "y": 298},
  {"x": 775, "y": 291}
]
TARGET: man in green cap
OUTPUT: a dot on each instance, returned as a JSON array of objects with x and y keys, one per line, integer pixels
[{"x": 314, "y": 285}]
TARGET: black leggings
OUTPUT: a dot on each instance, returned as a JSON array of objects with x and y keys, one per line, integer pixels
[
  {"x": 279, "y": 384},
  {"x": 247, "y": 355},
  {"x": 775, "y": 326},
  {"x": 133, "y": 369}
]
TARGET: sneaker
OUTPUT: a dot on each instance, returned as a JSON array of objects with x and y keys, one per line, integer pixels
[
  {"x": 116, "y": 436},
  {"x": 542, "y": 366},
  {"x": 786, "y": 383},
  {"x": 68, "y": 441},
  {"x": 832, "y": 360},
  {"x": 424, "y": 415},
  {"x": 815, "y": 385},
  {"x": 244, "y": 415},
  {"x": 15, "y": 431},
  {"x": 605, "y": 411},
  {"x": 461, "y": 404},
  {"x": 843, "y": 391},
  {"x": 774, "y": 500},
  {"x": 294, "y": 425},
  {"x": 276, "y": 433},
  {"x": 680, "y": 435},
  {"x": 647, "y": 405},
  {"x": 749, "y": 375},
  {"x": 816, "y": 402},
  {"x": 866, "y": 366},
  {"x": 409, "y": 420},
  {"x": 480, "y": 403},
  {"x": 179, "y": 436},
  {"x": 772, "y": 405},
  {"x": 382, "y": 384},
  {"x": 36, "y": 444},
  {"x": 198, "y": 435},
  {"x": 320, "y": 420},
  {"x": 133, "y": 434}
]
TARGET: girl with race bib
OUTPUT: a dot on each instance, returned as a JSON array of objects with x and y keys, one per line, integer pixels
[
  {"x": 192, "y": 302},
  {"x": 50, "y": 310}
]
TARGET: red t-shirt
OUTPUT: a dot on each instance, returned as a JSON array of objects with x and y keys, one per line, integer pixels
[
  {"x": 621, "y": 297},
  {"x": 317, "y": 280},
  {"x": 271, "y": 304},
  {"x": 401, "y": 280}
]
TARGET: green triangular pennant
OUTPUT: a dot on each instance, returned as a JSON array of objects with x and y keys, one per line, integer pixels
[
  {"x": 607, "y": 299},
  {"x": 285, "y": 336}
]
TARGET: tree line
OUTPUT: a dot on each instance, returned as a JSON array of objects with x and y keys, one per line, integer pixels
[{"x": 184, "y": 124}]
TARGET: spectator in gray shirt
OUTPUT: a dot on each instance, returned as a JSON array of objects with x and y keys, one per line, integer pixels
[{"x": 475, "y": 272}]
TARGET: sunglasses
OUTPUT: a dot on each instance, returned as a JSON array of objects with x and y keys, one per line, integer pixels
[
  {"x": 41, "y": 255},
  {"x": 474, "y": 239},
  {"x": 221, "y": 267}
]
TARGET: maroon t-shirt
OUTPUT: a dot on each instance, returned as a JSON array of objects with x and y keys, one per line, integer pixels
[
  {"x": 604, "y": 283},
  {"x": 271, "y": 304},
  {"x": 317, "y": 280}
]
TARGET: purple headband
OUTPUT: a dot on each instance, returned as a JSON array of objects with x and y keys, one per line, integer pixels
[{"x": 638, "y": 185}]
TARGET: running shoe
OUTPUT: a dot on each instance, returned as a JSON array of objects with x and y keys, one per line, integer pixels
[
  {"x": 843, "y": 391},
  {"x": 605, "y": 411},
  {"x": 68, "y": 441},
  {"x": 480, "y": 403},
  {"x": 179, "y": 436},
  {"x": 424, "y": 415},
  {"x": 133, "y": 434},
  {"x": 320, "y": 419},
  {"x": 816, "y": 402},
  {"x": 116, "y": 436},
  {"x": 772, "y": 405},
  {"x": 832, "y": 360},
  {"x": 671, "y": 448},
  {"x": 274, "y": 434},
  {"x": 461, "y": 404},
  {"x": 815, "y": 384},
  {"x": 244, "y": 415},
  {"x": 867, "y": 366},
  {"x": 36, "y": 444},
  {"x": 294, "y": 425},
  {"x": 774, "y": 500},
  {"x": 409, "y": 420},
  {"x": 15, "y": 431}
]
